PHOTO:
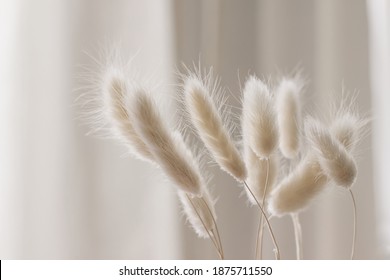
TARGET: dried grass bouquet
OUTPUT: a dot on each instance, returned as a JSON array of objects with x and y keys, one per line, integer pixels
[{"x": 274, "y": 132}]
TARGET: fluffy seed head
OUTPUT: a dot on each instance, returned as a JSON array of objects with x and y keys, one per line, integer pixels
[
  {"x": 115, "y": 89},
  {"x": 335, "y": 161},
  {"x": 257, "y": 175},
  {"x": 348, "y": 129},
  {"x": 208, "y": 123},
  {"x": 259, "y": 119},
  {"x": 289, "y": 116},
  {"x": 344, "y": 130},
  {"x": 347, "y": 125},
  {"x": 295, "y": 192},
  {"x": 200, "y": 212},
  {"x": 167, "y": 147}
]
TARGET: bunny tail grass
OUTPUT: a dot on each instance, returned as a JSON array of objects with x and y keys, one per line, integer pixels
[
  {"x": 115, "y": 89},
  {"x": 259, "y": 118},
  {"x": 335, "y": 160},
  {"x": 294, "y": 193},
  {"x": 208, "y": 123},
  {"x": 289, "y": 116},
  {"x": 348, "y": 127},
  {"x": 260, "y": 137},
  {"x": 262, "y": 175},
  {"x": 276, "y": 247},
  {"x": 167, "y": 147}
]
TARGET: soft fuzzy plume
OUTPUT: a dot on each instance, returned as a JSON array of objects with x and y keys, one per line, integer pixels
[
  {"x": 167, "y": 146},
  {"x": 259, "y": 127},
  {"x": 295, "y": 192},
  {"x": 335, "y": 160},
  {"x": 289, "y": 116},
  {"x": 115, "y": 88},
  {"x": 207, "y": 120},
  {"x": 347, "y": 126}
]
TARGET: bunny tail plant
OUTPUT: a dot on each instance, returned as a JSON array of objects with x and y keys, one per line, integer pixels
[
  {"x": 115, "y": 91},
  {"x": 201, "y": 100},
  {"x": 274, "y": 132},
  {"x": 288, "y": 106},
  {"x": 348, "y": 127},
  {"x": 289, "y": 116},
  {"x": 128, "y": 110},
  {"x": 103, "y": 104},
  {"x": 335, "y": 161},
  {"x": 178, "y": 163},
  {"x": 260, "y": 140},
  {"x": 328, "y": 159}
]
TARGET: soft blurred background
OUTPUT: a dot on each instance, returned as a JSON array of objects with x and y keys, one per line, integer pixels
[{"x": 65, "y": 195}]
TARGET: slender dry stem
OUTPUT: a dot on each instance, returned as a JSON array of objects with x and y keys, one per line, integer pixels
[
  {"x": 259, "y": 238},
  {"x": 298, "y": 235},
  {"x": 259, "y": 241},
  {"x": 276, "y": 249},
  {"x": 354, "y": 224}
]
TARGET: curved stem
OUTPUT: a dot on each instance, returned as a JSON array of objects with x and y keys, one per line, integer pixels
[
  {"x": 260, "y": 231},
  {"x": 298, "y": 235},
  {"x": 354, "y": 224},
  {"x": 277, "y": 252}
]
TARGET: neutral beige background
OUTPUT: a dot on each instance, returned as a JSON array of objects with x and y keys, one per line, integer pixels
[{"x": 67, "y": 195}]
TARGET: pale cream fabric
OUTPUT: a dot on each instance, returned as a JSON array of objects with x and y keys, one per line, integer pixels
[{"x": 379, "y": 23}]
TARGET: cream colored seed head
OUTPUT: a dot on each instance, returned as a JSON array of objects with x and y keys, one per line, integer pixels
[
  {"x": 259, "y": 119},
  {"x": 208, "y": 123}
]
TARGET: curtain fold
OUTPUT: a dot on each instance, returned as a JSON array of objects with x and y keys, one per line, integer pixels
[{"x": 379, "y": 26}]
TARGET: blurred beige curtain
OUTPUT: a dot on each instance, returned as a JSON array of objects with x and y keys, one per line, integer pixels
[
  {"x": 379, "y": 23},
  {"x": 66, "y": 195}
]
